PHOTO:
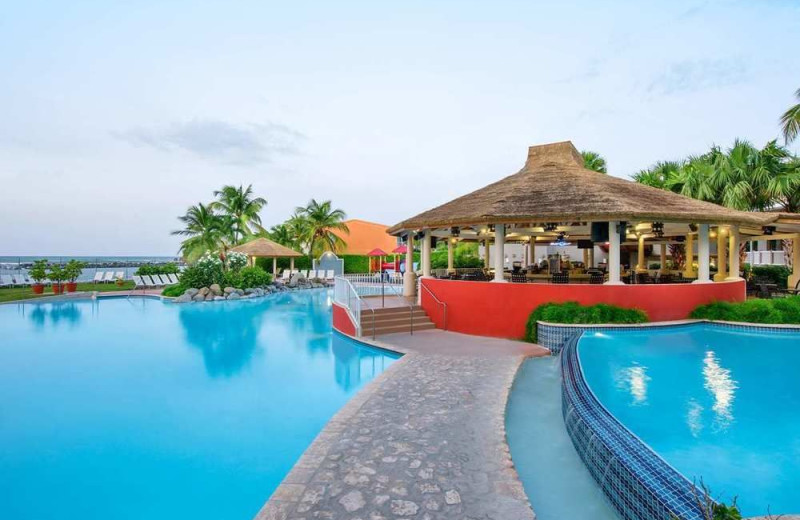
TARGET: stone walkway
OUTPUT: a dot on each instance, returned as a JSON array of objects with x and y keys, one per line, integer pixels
[{"x": 424, "y": 440}]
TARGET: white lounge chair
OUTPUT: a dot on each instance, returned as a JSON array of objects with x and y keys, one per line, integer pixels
[
  {"x": 138, "y": 283},
  {"x": 28, "y": 280},
  {"x": 286, "y": 274},
  {"x": 119, "y": 276},
  {"x": 6, "y": 280},
  {"x": 329, "y": 274},
  {"x": 304, "y": 273},
  {"x": 174, "y": 279},
  {"x": 165, "y": 279},
  {"x": 19, "y": 280},
  {"x": 108, "y": 277},
  {"x": 98, "y": 277},
  {"x": 148, "y": 281}
]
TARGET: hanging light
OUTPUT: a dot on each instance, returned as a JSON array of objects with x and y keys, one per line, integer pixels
[
  {"x": 491, "y": 228},
  {"x": 550, "y": 226},
  {"x": 454, "y": 231},
  {"x": 768, "y": 230},
  {"x": 561, "y": 240},
  {"x": 658, "y": 229}
]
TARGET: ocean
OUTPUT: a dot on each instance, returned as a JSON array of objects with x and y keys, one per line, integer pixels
[{"x": 126, "y": 264}]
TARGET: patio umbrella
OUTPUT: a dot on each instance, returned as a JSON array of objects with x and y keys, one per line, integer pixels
[{"x": 377, "y": 252}]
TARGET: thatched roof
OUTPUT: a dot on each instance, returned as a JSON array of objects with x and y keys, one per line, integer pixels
[
  {"x": 263, "y": 247},
  {"x": 553, "y": 186}
]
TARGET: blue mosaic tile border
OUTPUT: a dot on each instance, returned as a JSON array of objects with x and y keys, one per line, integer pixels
[
  {"x": 638, "y": 483},
  {"x": 554, "y": 336}
]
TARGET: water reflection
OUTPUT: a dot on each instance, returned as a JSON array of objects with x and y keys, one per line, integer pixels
[
  {"x": 722, "y": 386},
  {"x": 353, "y": 363},
  {"x": 634, "y": 380},
  {"x": 57, "y": 313},
  {"x": 694, "y": 418},
  {"x": 226, "y": 338}
]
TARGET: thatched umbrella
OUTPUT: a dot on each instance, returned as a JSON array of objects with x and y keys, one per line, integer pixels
[{"x": 266, "y": 248}]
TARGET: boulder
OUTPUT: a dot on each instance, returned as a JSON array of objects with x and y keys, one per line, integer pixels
[
  {"x": 210, "y": 297},
  {"x": 216, "y": 289},
  {"x": 203, "y": 291},
  {"x": 240, "y": 292},
  {"x": 234, "y": 296},
  {"x": 183, "y": 298},
  {"x": 229, "y": 290},
  {"x": 198, "y": 297},
  {"x": 191, "y": 292},
  {"x": 219, "y": 298},
  {"x": 250, "y": 290}
]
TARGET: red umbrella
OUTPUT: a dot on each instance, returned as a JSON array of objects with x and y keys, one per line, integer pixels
[
  {"x": 378, "y": 252},
  {"x": 400, "y": 250}
]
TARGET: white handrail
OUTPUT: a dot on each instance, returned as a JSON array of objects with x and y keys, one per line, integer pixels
[{"x": 346, "y": 295}]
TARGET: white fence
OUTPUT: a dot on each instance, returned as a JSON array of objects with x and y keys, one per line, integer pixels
[
  {"x": 345, "y": 294},
  {"x": 765, "y": 258},
  {"x": 373, "y": 285}
]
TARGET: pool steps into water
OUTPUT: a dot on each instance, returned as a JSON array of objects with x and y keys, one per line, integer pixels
[{"x": 394, "y": 319}]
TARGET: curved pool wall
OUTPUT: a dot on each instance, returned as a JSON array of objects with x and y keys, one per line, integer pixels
[{"x": 638, "y": 483}]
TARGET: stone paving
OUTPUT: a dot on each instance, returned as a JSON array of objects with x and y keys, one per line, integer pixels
[{"x": 425, "y": 440}]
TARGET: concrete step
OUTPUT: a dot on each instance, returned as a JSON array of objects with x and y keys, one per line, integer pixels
[
  {"x": 367, "y": 332},
  {"x": 391, "y": 310},
  {"x": 367, "y": 325},
  {"x": 367, "y": 317}
]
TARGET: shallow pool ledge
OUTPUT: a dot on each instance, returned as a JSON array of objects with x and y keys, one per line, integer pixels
[{"x": 425, "y": 439}]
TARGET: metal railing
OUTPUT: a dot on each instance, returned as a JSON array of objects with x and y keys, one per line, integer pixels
[
  {"x": 346, "y": 295},
  {"x": 437, "y": 300},
  {"x": 353, "y": 289}
]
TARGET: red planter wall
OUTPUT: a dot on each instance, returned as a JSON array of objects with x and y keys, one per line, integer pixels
[
  {"x": 502, "y": 309},
  {"x": 342, "y": 321}
]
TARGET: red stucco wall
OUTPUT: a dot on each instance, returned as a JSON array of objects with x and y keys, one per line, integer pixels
[
  {"x": 501, "y": 309},
  {"x": 342, "y": 321}
]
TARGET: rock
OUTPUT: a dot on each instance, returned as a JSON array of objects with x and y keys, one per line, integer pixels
[
  {"x": 216, "y": 289},
  {"x": 234, "y": 296},
  {"x": 203, "y": 291},
  {"x": 352, "y": 501},
  {"x": 239, "y": 292},
  {"x": 219, "y": 298},
  {"x": 191, "y": 292},
  {"x": 229, "y": 290},
  {"x": 250, "y": 290},
  {"x": 210, "y": 296},
  {"x": 198, "y": 297},
  {"x": 452, "y": 497},
  {"x": 184, "y": 298},
  {"x": 404, "y": 507}
]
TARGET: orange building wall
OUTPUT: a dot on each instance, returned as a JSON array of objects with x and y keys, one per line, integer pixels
[{"x": 365, "y": 236}]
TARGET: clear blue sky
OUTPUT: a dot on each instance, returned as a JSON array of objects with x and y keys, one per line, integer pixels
[{"x": 115, "y": 118}]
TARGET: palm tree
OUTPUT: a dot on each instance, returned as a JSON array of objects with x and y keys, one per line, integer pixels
[
  {"x": 593, "y": 161},
  {"x": 790, "y": 121},
  {"x": 282, "y": 234},
  {"x": 204, "y": 229},
  {"x": 661, "y": 175},
  {"x": 242, "y": 208},
  {"x": 321, "y": 220}
]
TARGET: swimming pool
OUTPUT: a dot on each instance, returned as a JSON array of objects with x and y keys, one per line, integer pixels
[
  {"x": 138, "y": 408},
  {"x": 717, "y": 403}
]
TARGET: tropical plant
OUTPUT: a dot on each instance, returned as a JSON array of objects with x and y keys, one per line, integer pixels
[
  {"x": 73, "y": 269},
  {"x": 38, "y": 271},
  {"x": 282, "y": 234},
  {"x": 594, "y": 161},
  {"x": 236, "y": 261},
  {"x": 321, "y": 220},
  {"x": 205, "y": 231},
  {"x": 206, "y": 271},
  {"x": 254, "y": 277},
  {"x": 56, "y": 273},
  {"x": 239, "y": 205},
  {"x": 790, "y": 121},
  {"x": 575, "y": 313}
]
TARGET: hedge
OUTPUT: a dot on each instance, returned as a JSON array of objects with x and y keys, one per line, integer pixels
[
  {"x": 575, "y": 313},
  {"x": 777, "y": 274},
  {"x": 777, "y": 311}
]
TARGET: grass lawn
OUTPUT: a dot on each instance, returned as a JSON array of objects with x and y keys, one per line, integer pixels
[{"x": 24, "y": 293}]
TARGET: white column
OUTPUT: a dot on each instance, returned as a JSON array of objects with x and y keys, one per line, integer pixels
[
  {"x": 451, "y": 251},
  {"x": 613, "y": 254},
  {"x": 486, "y": 259},
  {"x": 703, "y": 255},
  {"x": 409, "y": 278},
  {"x": 499, "y": 253},
  {"x": 733, "y": 253},
  {"x": 291, "y": 265},
  {"x": 274, "y": 267},
  {"x": 591, "y": 256},
  {"x": 426, "y": 254}
]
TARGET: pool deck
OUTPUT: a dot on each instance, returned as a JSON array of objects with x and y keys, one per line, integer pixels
[{"x": 425, "y": 439}]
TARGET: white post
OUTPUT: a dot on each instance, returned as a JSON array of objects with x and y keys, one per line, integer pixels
[
  {"x": 291, "y": 264},
  {"x": 275, "y": 267},
  {"x": 613, "y": 254},
  {"x": 499, "y": 253},
  {"x": 703, "y": 255},
  {"x": 486, "y": 249},
  {"x": 410, "y": 278},
  {"x": 591, "y": 256},
  {"x": 733, "y": 253},
  {"x": 450, "y": 255},
  {"x": 426, "y": 254}
]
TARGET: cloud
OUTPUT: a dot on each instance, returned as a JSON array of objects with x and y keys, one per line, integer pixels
[
  {"x": 245, "y": 144},
  {"x": 696, "y": 75}
]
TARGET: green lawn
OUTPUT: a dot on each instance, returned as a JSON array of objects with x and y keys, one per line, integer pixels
[{"x": 24, "y": 293}]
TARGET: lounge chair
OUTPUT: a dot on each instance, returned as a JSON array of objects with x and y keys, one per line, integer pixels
[
  {"x": 165, "y": 279},
  {"x": 98, "y": 277},
  {"x": 19, "y": 280},
  {"x": 108, "y": 277},
  {"x": 304, "y": 274},
  {"x": 6, "y": 280},
  {"x": 119, "y": 276},
  {"x": 174, "y": 279},
  {"x": 149, "y": 282},
  {"x": 286, "y": 275},
  {"x": 138, "y": 283},
  {"x": 329, "y": 274}
]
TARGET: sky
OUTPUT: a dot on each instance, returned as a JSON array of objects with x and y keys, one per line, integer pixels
[{"x": 117, "y": 116}]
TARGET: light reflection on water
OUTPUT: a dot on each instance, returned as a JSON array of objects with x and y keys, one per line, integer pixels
[{"x": 722, "y": 386}]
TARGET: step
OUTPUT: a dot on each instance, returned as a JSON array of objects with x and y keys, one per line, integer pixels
[
  {"x": 391, "y": 310},
  {"x": 368, "y": 318},
  {"x": 367, "y": 332},
  {"x": 367, "y": 325}
]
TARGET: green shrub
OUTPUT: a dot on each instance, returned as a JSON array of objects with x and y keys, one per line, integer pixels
[
  {"x": 776, "y": 274},
  {"x": 236, "y": 260},
  {"x": 39, "y": 271},
  {"x": 780, "y": 311},
  {"x": 355, "y": 263},
  {"x": 173, "y": 291},
  {"x": 575, "y": 313},
  {"x": 464, "y": 255},
  {"x": 254, "y": 277},
  {"x": 202, "y": 274},
  {"x": 148, "y": 269},
  {"x": 302, "y": 262}
]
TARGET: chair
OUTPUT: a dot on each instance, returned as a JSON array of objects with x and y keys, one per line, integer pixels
[
  {"x": 287, "y": 274},
  {"x": 108, "y": 277},
  {"x": 163, "y": 278},
  {"x": 138, "y": 283},
  {"x": 19, "y": 280},
  {"x": 596, "y": 278},
  {"x": 173, "y": 278},
  {"x": 120, "y": 275},
  {"x": 518, "y": 278},
  {"x": 665, "y": 278},
  {"x": 560, "y": 278},
  {"x": 150, "y": 282},
  {"x": 643, "y": 278},
  {"x": 6, "y": 280},
  {"x": 790, "y": 291},
  {"x": 304, "y": 273},
  {"x": 329, "y": 274},
  {"x": 98, "y": 277}
]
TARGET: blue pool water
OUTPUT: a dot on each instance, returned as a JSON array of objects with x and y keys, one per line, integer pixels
[
  {"x": 716, "y": 403},
  {"x": 132, "y": 409}
]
